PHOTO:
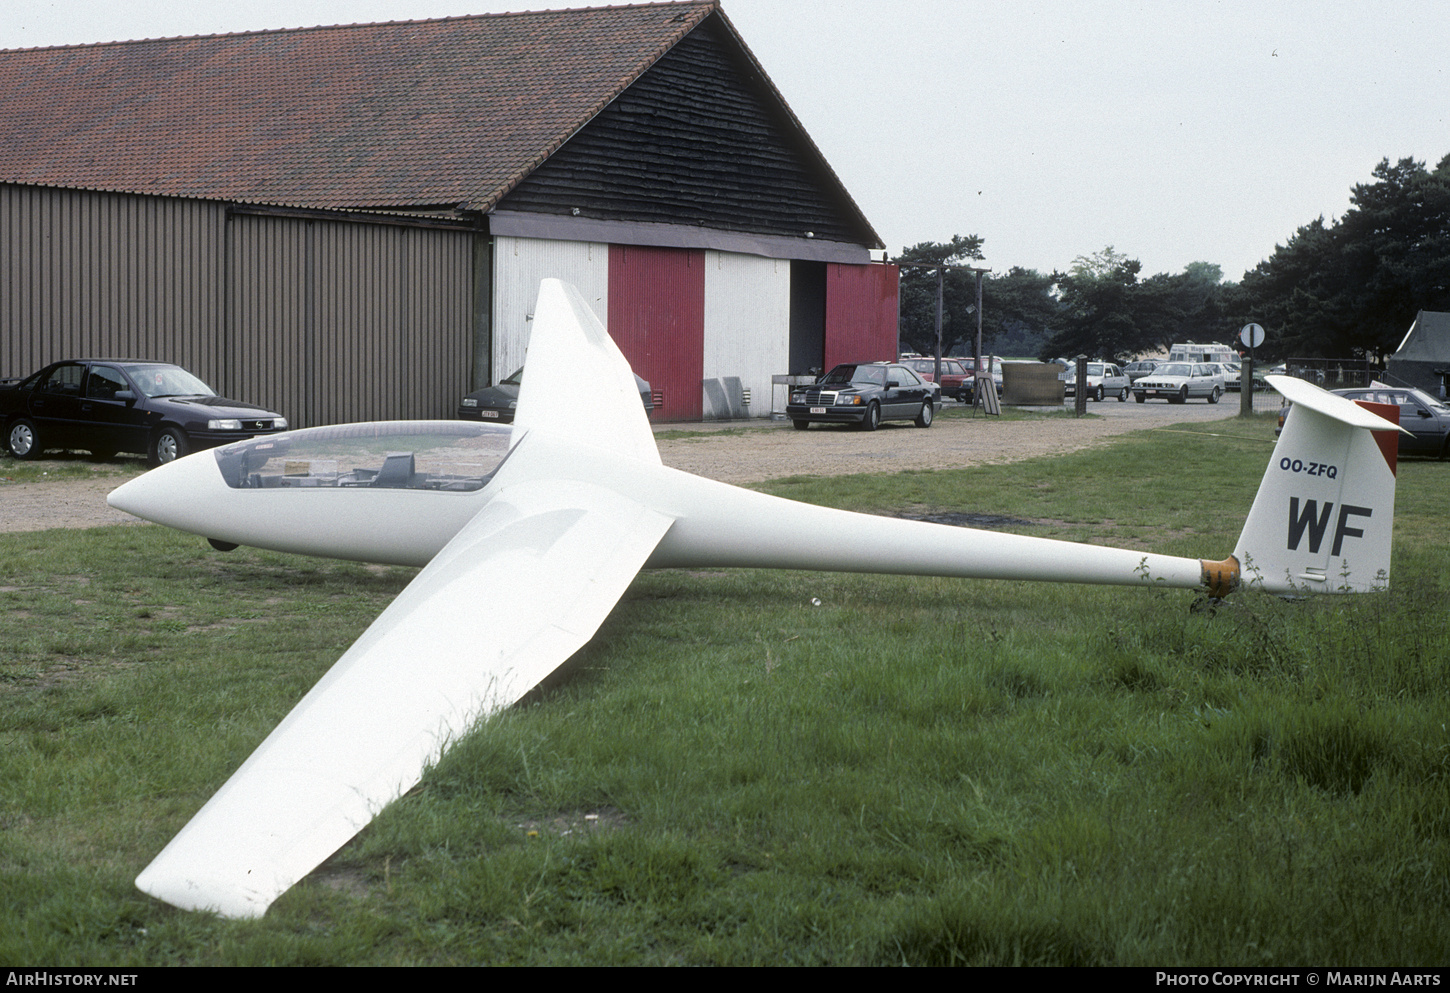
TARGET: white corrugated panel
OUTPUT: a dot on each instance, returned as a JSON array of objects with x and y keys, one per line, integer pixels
[
  {"x": 518, "y": 266},
  {"x": 747, "y": 332}
]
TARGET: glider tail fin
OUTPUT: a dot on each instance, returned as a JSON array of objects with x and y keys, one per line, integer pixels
[
  {"x": 576, "y": 381},
  {"x": 1323, "y": 518}
]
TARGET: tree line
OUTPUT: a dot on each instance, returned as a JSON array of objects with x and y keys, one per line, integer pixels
[{"x": 1346, "y": 289}]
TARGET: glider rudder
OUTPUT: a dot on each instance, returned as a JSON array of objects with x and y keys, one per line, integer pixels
[{"x": 1324, "y": 514}]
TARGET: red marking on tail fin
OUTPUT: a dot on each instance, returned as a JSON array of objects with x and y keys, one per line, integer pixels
[{"x": 1389, "y": 441}]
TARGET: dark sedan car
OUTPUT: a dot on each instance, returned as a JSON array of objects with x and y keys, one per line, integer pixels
[
  {"x": 1427, "y": 419},
  {"x": 864, "y": 394},
  {"x": 497, "y": 402},
  {"x": 1137, "y": 370},
  {"x": 105, "y": 406}
]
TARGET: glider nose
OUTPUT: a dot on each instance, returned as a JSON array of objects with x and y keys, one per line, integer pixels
[{"x": 178, "y": 494}]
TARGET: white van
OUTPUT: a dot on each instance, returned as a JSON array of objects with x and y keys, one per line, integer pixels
[
  {"x": 1212, "y": 352},
  {"x": 1223, "y": 355}
]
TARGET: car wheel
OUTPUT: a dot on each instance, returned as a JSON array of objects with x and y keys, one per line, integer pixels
[
  {"x": 1141, "y": 397},
  {"x": 168, "y": 446},
  {"x": 800, "y": 425},
  {"x": 872, "y": 420},
  {"x": 923, "y": 419},
  {"x": 1099, "y": 395},
  {"x": 1182, "y": 394},
  {"x": 22, "y": 440},
  {"x": 1213, "y": 397},
  {"x": 1123, "y": 396}
]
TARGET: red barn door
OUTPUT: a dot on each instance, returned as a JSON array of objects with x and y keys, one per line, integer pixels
[
  {"x": 657, "y": 317},
  {"x": 861, "y": 313}
]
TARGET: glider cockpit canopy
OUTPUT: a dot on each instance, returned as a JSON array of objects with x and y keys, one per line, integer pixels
[{"x": 441, "y": 456}]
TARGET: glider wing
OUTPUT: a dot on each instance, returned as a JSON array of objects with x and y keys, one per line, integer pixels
[{"x": 520, "y": 588}]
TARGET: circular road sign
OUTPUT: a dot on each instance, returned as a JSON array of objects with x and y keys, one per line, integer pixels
[{"x": 1252, "y": 335}]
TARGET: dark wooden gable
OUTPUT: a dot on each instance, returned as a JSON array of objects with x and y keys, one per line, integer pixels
[{"x": 701, "y": 138}]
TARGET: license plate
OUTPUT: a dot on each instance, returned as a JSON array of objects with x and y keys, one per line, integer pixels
[
  {"x": 818, "y": 410},
  {"x": 488, "y": 413}
]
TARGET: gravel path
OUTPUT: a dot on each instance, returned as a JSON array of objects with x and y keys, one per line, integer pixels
[
  {"x": 772, "y": 450},
  {"x": 743, "y": 452}
]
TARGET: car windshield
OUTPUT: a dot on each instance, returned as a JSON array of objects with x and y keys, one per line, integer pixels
[
  {"x": 863, "y": 374},
  {"x": 1392, "y": 396},
  {"x": 166, "y": 381},
  {"x": 514, "y": 379},
  {"x": 1173, "y": 369},
  {"x": 1094, "y": 369},
  {"x": 1430, "y": 401}
]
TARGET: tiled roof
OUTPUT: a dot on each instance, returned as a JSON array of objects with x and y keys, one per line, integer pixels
[{"x": 397, "y": 115}]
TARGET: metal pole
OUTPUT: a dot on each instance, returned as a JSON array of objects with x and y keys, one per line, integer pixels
[
  {"x": 939, "y": 275},
  {"x": 978, "y": 357},
  {"x": 1246, "y": 386},
  {"x": 1079, "y": 391}
]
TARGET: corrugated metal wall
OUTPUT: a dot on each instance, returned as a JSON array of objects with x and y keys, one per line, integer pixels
[
  {"x": 325, "y": 321},
  {"x": 96, "y": 274},
  {"x": 861, "y": 309},
  {"x": 361, "y": 321},
  {"x": 747, "y": 332},
  {"x": 519, "y": 265},
  {"x": 657, "y": 317}
]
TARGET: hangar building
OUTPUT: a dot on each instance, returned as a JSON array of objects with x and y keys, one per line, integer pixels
[{"x": 347, "y": 223}]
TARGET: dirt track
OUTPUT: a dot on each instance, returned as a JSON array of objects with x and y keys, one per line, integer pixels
[
  {"x": 735, "y": 453},
  {"x": 769, "y": 452}
]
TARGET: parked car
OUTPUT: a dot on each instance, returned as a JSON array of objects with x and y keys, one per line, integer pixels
[
  {"x": 1103, "y": 380},
  {"x": 105, "y": 406},
  {"x": 865, "y": 394},
  {"x": 1137, "y": 370},
  {"x": 954, "y": 375},
  {"x": 1232, "y": 370},
  {"x": 497, "y": 402},
  {"x": 1178, "y": 382},
  {"x": 991, "y": 366},
  {"x": 1426, "y": 418},
  {"x": 1234, "y": 374}
]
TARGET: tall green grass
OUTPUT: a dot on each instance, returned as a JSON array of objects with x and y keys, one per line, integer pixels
[{"x": 909, "y": 771}]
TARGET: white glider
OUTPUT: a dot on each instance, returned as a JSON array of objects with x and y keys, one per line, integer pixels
[{"x": 529, "y": 535}]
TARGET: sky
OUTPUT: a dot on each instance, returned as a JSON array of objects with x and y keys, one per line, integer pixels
[{"x": 1174, "y": 131}]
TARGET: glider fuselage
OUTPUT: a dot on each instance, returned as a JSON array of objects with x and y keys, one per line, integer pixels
[{"x": 320, "y": 496}]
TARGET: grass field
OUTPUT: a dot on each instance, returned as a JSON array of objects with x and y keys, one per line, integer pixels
[{"x": 908, "y": 771}]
